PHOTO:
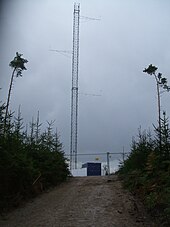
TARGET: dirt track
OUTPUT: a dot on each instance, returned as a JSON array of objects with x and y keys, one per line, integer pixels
[{"x": 81, "y": 202}]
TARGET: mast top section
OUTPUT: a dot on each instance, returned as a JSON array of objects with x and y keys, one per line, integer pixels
[{"x": 76, "y": 7}]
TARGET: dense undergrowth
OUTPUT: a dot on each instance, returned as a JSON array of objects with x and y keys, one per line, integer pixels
[
  {"x": 30, "y": 161},
  {"x": 146, "y": 172}
]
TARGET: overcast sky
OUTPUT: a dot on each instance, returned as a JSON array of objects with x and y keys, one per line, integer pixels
[{"x": 113, "y": 53}]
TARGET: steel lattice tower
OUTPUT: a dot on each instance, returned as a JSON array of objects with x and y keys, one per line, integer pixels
[{"x": 74, "y": 90}]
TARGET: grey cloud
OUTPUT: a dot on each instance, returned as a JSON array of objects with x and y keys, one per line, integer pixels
[{"x": 113, "y": 52}]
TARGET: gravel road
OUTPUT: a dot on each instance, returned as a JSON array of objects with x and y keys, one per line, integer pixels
[{"x": 81, "y": 202}]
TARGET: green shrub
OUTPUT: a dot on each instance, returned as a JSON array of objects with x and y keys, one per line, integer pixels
[
  {"x": 24, "y": 157},
  {"x": 146, "y": 172}
]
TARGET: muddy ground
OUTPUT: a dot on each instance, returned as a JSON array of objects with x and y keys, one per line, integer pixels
[{"x": 81, "y": 202}]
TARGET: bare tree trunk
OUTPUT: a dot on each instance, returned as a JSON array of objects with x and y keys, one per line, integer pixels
[
  {"x": 159, "y": 112},
  {"x": 8, "y": 99}
]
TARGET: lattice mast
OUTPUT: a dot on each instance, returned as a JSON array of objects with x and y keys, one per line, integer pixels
[{"x": 74, "y": 90}]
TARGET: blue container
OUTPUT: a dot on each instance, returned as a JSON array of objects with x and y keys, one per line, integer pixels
[{"x": 93, "y": 169}]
